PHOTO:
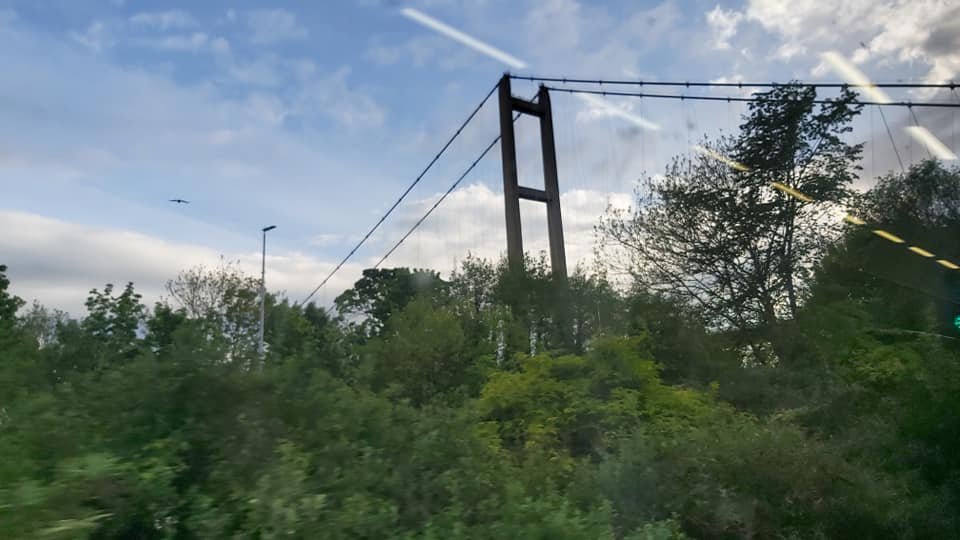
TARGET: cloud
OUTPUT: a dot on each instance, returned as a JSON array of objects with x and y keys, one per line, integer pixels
[
  {"x": 333, "y": 98},
  {"x": 164, "y": 20},
  {"x": 323, "y": 240},
  {"x": 274, "y": 25},
  {"x": 895, "y": 31},
  {"x": 58, "y": 262},
  {"x": 220, "y": 45},
  {"x": 598, "y": 107},
  {"x": 95, "y": 37},
  {"x": 470, "y": 220},
  {"x": 105, "y": 144},
  {"x": 194, "y": 42},
  {"x": 723, "y": 24},
  {"x": 420, "y": 50}
]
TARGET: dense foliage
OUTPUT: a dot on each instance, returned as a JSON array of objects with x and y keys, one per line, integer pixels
[{"x": 503, "y": 404}]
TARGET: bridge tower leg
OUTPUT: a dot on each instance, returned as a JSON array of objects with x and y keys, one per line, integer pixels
[{"x": 513, "y": 192}]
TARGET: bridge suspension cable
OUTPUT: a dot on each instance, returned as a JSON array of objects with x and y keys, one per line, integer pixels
[
  {"x": 613, "y": 82},
  {"x": 684, "y": 97},
  {"x": 450, "y": 190},
  {"x": 402, "y": 195}
]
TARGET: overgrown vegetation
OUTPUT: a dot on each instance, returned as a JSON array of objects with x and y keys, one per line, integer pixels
[{"x": 808, "y": 388}]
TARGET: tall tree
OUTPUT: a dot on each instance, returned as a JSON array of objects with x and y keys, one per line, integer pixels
[
  {"x": 712, "y": 233},
  {"x": 381, "y": 292},
  {"x": 114, "y": 321},
  {"x": 9, "y": 304},
  {"x": 225, "y": 300}
]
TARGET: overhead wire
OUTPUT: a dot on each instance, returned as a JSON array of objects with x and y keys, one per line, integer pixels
[
  {"x": 745, "y": 99},
  {"x": 690, "y": 84},
  {"x": 403, "y": 195}
]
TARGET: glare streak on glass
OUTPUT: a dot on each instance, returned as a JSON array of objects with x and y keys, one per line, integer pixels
[
  {"x": 456, "y": 35},
  {"x": 854, "y": 76},
  {"x": 612, "y": 110},
  {"x": 924, "y": 137},
  {"x": 888, "y": 236},
  {"x": 722, "y": 158},
  {"x": 854, "y": 220},
  {"x": 790, "y": 191},
  {"x": 920, "y": 251},
  {"x": 948, "y": 264}
]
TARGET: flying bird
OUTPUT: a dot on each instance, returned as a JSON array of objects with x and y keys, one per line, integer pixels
[{"x": 179, "y": 201}]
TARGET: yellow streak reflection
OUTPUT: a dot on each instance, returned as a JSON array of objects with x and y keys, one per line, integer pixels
[
  {"x": 891, "y": 237},
  {"x": 854, "y": 76},
  {"x": 920, "y": 251},
  {"x": 937, "y": 148},
  {"x": 721, "y": 158},
  {"x": 790, "y": 191},
  {"x": 849, "y": 218}
]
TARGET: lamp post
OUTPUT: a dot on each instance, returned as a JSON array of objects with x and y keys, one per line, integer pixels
[{"x": 263, "y": 287}]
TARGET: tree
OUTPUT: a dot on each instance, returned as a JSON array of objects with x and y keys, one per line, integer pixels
[
  {"x": 423, "y": 355},
  {"x": 114, "y": 321},
  {"x": 380, "y": 293},
  {"x": 226, "y": 301},
  {"x": 9, "y": 304},
  {"x": 717, "y": 237}
]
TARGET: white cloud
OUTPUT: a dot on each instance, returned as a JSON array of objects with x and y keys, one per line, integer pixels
[
  {"x": 274, "y": 25},
  {"x": 471, "y": 220},
  {"x": 895, "y": 31},
  {"x": 194, "y": 42},
  {"x": 723, "y": 24},
  {"x": 164, "y": 20},
  {"x": 220, "y": 45},
  {"x": 332, "y": 97},
  {"x": 57, "y": 262},
  {"x": 95, "y": 37},
  {"x": 324, "y": 240},
  {"x": 419, "y": 50},
  {"x": 598, "y": 107}
]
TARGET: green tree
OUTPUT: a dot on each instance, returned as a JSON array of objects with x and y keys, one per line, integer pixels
[
  {"x": 422, "y": 356},
  {"x": 226, "y": 301},
  {"x": 9, "y": 304},
  {"x": 719, "y": 238},
  {"x": 380, "y": 293},
  {"x": 113, "y": 322}
]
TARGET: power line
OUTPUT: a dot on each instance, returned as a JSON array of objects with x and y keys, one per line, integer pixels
[
  {"x": 742, "y": 99},
  {"x": 403, "y": 195},
  {"x": 950, "y": 85}
]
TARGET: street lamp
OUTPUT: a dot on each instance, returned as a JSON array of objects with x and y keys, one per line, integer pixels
[{"x": 263, "y": 286}]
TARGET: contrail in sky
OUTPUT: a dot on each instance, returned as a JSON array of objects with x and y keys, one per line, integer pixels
[{"x": 457, "y": 35}]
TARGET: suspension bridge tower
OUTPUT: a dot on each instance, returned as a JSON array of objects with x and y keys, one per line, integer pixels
[{"x": 513, "y": 192}]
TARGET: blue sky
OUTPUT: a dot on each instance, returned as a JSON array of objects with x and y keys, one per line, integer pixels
[{"x": 315, "y": 115}]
